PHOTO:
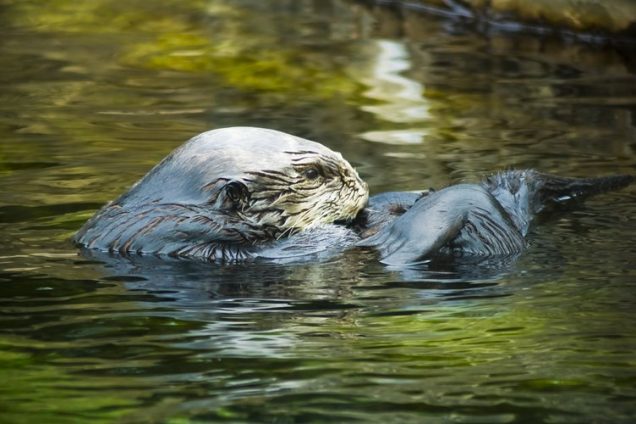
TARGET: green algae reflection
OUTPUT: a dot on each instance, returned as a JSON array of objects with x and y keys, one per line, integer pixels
[
  {"x": 49, "y": 394},
  {"x": 227, "y": 46}
]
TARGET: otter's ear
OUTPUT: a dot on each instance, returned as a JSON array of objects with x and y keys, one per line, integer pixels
[{"x": 234, "y": 195}]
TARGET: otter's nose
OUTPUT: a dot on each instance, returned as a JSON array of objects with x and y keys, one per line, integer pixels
[
  {"x": 361, "y": 188},
  {"x": 360, "y": 183},
  {"x": 363, "y": 184},
  {"x": 355, "y": 183}
]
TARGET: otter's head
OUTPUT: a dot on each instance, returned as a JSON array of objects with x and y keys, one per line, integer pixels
[{"x": 263, "y": 182}]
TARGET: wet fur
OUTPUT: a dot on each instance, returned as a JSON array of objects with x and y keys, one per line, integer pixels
[
  {"x": 488, "y": 219},
  {"x": 226, "y": 194}
]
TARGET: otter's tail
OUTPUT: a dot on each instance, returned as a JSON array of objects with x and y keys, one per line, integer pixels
[{"x": 525, "y": 193}]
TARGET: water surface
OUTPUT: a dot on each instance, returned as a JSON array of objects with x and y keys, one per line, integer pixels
[{"x": 94, "y": 93}]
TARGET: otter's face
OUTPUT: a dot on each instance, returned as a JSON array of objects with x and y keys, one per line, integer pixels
[
  {"x": 313, "y": 188},
  {"x": 316, "y": 188}
]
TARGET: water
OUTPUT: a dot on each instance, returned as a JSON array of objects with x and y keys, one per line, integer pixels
[{"x": 94, "y": 93}]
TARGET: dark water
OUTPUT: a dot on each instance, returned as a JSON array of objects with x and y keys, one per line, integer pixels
[{"x": 94, "y": 93}]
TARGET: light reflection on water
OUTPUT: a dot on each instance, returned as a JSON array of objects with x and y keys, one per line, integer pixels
[
  {"x": 400, "y": 98},
  {"x": 87, "y": 109}
]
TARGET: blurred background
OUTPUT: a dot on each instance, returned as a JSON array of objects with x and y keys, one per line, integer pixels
[{"x": 421, "y": 95}]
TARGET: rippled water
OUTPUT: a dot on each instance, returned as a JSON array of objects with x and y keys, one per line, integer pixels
[{"x": 94, "y": 93}]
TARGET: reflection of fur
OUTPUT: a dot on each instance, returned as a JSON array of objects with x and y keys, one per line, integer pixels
[{"x": 188, "y": 284}]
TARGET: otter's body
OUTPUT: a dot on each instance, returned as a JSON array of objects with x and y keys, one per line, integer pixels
[
  {"x": 487, "y": 219},
  {"x": 239, "y": 193}
]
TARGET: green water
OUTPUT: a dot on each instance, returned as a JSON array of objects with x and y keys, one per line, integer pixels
[{"x": 93, "y": 93}]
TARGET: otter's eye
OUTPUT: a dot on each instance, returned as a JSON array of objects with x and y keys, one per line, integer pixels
[
  {"x": 311, "y": 173},
  {"x": 235, "y": 191}
]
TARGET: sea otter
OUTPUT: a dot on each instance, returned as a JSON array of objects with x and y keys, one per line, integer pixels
[{"x": 240, "y": 193}]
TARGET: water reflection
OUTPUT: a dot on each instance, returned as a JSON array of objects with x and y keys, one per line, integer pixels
[
  {"x": 197, "y": 283},
  {"x": 94, "y": 97},
  {"x": 401, "y": 98}
]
